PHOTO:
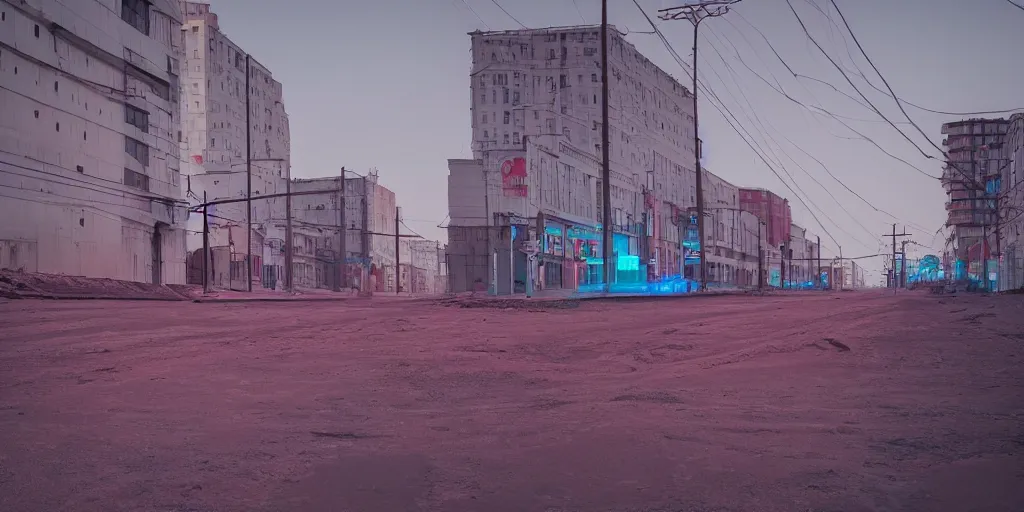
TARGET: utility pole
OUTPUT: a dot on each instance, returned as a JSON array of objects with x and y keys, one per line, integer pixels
[
  {"x": 606, "y": 174},
  {"x": 984, "y": 257},
  {"x": 760, "y": 258},
  {"x": 782, "y": 265},
  {"x": 342, "y": 235},
  {"x": 248, "y": 175},
  {"x": 842, "y": 269},
  {"x": 894, "y": 235},
  {"x": 821, "y": 284},
  {"x": 288, "y": 283},
  {"x": 206, "y": 247},
  {"x": 398, "y": 255},
  {"x": 903, "y": 263},
  {"x": 695, "y": 13}
]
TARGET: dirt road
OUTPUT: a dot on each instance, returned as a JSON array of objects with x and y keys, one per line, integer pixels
[{"x": 725, "y": 404}]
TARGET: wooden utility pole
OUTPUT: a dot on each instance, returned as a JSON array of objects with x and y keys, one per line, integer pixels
[
  {"x": 760, "y": 258},
  {"x": 206, "y": 247},
  {"x": 289, "y": 283},
  {"x": 695, "y": 13},
  {"x": 821, "y": 284},
  {"x": 248, "y": 175},
  {"x": 342, "y": 235},
  {"x": 894, "y": 235},
  {"x": 606, "y": 174},
  {"x": 398, "y": 254}
]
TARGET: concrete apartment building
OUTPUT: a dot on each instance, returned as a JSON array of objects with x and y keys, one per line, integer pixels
[
  {"x": 802, "y": 263},
  {"x": 732, "y": 235},
  {"x": 370, "y": 210},
  {"x": 89, "y": 171},
  {"x": 213, "y": 151},
  {"x": 1010, "y": 234},
  {"x": 973, "y": 161},
  {"x": 535, "y": 172},
  {"x": 777, "y": 218}
]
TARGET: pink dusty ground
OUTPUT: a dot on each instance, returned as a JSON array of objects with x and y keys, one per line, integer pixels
[{"x": 727, "y": 403}]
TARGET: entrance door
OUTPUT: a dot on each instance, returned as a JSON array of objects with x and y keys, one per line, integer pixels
[{"x": 157, "y": 256}]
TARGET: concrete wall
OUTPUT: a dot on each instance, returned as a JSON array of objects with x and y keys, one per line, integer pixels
[
  {"x": 76, "y": 201},
  {"x": 213, "y": 136}
]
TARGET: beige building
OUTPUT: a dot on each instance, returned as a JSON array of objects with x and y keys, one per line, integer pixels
[
  {"x": 536, "y": 111},
  {"x": 89, "y": 168},
  {"x": 213, "y": 150}
]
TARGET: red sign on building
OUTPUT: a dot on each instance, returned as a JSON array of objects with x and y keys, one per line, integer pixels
[{"x": 513, "y": 177}]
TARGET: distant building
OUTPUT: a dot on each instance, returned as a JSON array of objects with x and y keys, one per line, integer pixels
[
  {"x": 772, "y": 209},
  {"x": 370, "y": 211},
  {"x": 89, "y": 171},
  {"x": 972, "y": 174},
  {"x": 1010, "y": 237},
  {"x": 536, "y": 167},
  {"x": 213, "y": 151}
]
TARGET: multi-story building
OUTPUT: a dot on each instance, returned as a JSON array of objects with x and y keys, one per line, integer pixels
[
  {"x": 731, "y": 235},
  {"x": 1010, "y": 233},
  {"x": 215, "y": 73},
  {"x": 802, "y": 260},
  {"x": 972, "y": 179},
  {"x": 370, "y": 212},
  {"x": 772, "y": 209},
  {"x": 89, "y": 171},
  {"x": 536, "y": 124}
]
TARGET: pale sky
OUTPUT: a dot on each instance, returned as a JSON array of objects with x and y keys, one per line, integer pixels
[{"x": 384, "y": 84}]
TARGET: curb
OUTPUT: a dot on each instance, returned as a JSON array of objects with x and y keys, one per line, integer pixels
[{"x": 270, "y": 299}]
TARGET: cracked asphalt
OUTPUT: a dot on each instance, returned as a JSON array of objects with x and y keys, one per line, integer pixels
[{"x": 733, "y": 403}]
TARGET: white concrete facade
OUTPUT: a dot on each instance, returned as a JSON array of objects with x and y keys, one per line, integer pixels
[
  {"x": 731, "y": 234},
  {"x": 213, "y": 138},
  {"x": 370, "y": 210},
  {"x": 536, "y": 94},
  {"x": 89, "y": 168},
  {"x": 1011, "y": 207}
]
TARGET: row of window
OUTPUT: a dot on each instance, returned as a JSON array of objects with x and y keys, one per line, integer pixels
[
  {"x": 136, "y": 180},
  {"x": 134, "y": 13}
]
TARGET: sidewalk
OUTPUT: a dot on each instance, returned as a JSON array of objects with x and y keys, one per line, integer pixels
[
  {"x": 23, "y": 285},
  {"x": 302, "y": 295}
]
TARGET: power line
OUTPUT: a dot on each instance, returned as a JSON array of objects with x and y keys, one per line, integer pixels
[
  {"x": 507, "y": 13},
  {"x": 711, "y": 94},
  {"x": 1015, "y": 4},
  {"x": 472, "y": 10},
  {"x": 766, "y": 137},
  {"x": 578, "y": 11}
]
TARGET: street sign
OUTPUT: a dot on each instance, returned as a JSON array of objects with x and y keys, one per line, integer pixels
[{"x": 531, "y": 247}]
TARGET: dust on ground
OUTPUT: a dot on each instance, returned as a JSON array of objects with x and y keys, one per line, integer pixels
[{"x": 827, "y": 402}]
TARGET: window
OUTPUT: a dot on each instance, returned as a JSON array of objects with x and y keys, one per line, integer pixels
[
  {"x": 37, "y": 30},
  {"x": 56, "y": 86},
  {"x": 36, "y": 114},
  {"x": 515, "y": 138},
  {"x": 486, "y": 135},
  {"x": 137, "y": 150},
  {"x": 213, "y": 142},
  {"x": 505, "y": 118},
  {"x": 135, "y": 13},
  {"x": 593, "y": 77},
  {"x": 137, "y": 117},
  {"x": 58, "y": 127},
  {"x": 136, "y": 180},
  {"x": 195, "y": 29},
  {"x": 484, "y": 121},
  {"x": 515, "y": 97},
  {"x": 504, "y": 95},
  {"x": 506, "y": 138}
]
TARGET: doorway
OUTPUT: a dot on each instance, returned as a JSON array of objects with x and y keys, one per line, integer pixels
[{"x": 157, "y": 254}]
